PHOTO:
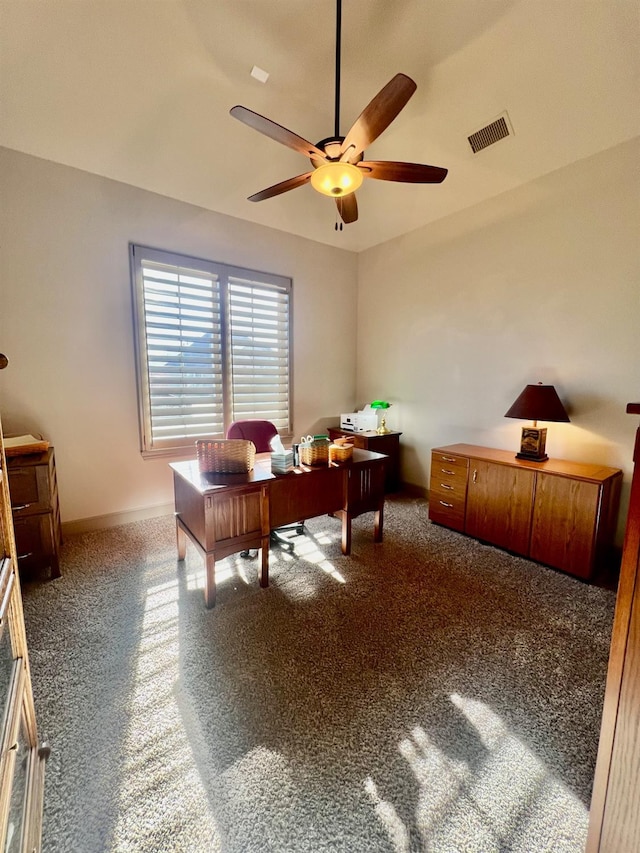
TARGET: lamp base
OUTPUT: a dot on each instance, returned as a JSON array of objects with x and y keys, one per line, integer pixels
[
  {"x": 531, "y": 457},
  {"x": 532, "y": 444},
  {"x": 382, "y": 429}
]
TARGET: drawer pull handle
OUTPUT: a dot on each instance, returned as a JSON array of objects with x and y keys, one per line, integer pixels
[
  {"x": 448, "y": 458},
  {"x": 24, "y": 556},
  {"x": 475, "y": 475},
  {"x": 446, "y": 471},
  {"x": 446, "y": 486},
  {"x": 20, "y": 506},
  {"x": 444, "y": 503}
]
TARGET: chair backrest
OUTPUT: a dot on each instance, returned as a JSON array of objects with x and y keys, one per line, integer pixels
[{"x": 255, "y": 430}]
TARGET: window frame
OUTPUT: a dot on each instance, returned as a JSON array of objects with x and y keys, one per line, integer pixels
[{"x": 138, "y": 253}]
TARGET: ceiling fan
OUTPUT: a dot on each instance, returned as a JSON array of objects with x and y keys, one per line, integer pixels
[{"x": 338, "y": 162}]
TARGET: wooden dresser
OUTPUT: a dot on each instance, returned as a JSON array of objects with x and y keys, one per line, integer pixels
[
  {"x": 36, "y": 513},
  {"x": 559, "y": 513},
  {"x": 389, "y": 444},
  {"x": 614, "y": 820}
]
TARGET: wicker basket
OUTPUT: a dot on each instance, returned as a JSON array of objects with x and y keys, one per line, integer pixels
[
  {"x": 314, "y": 454},
  {"x": 225, "y": 455},
  {"x": 340, "y": 452}
]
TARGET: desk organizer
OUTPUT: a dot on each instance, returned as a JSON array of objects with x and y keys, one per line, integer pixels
[{"x": 225, "y": 456}]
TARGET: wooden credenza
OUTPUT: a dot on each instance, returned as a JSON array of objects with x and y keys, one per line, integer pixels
[
  {"x": 36, "y": 511},
  {"x": 388, "y": 443},
  {"x": 614, "y": 819},
  {"x": 559, "y": 513}
]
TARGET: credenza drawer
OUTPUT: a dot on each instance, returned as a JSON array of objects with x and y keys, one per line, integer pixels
[
  {"x": 448, "y": 464},
  {"x": 449, "y": 473},
  {"x": 448, "y": 489},
  {"x": 447, "y": 506}
]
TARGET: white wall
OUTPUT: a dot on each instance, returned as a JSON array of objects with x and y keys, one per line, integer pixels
[
  {"x": 66, "y": 325},
  {"x": 539, "y": 284},
  {"x": 542, "y": 283}
]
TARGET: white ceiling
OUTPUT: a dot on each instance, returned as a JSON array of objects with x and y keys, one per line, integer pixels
[{"x": 140, "y": 91}]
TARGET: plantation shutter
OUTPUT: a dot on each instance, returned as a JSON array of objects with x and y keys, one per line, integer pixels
[
  {"x": 183, "y": 349},
  {"x": 259, "y": 337},
  {"x": 213, "y": 345}
]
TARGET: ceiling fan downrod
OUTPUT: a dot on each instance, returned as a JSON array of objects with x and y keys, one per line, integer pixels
[{"x": 338, "y": 43}]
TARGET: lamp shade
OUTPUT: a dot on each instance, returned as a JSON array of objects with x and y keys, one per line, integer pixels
[{"x": 538, "y": 403}]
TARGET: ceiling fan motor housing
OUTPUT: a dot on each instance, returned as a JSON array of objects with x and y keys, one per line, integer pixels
[{"x": 332, "y": 146}]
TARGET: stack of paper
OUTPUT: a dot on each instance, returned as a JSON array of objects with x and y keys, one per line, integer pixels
[
  {"x": 19, "y": 444},
  {"x": 282, "y": 463}
]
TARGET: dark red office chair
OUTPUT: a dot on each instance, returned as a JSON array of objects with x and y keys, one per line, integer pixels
[
  {"x": 260, "y": 433},
  {"x": 257, "y": 431}
]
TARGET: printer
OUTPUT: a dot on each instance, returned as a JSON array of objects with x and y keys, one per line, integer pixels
[{"x": 362, "y": 421}]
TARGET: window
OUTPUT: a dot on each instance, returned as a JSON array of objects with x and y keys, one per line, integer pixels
[{"x": 213, "y": 345}]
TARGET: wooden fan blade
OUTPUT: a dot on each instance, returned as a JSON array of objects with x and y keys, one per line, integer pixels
[
  {"x": 408, "y": 173},
  {"x": 282, "y": 187},
  {"x": 347, "y": 208},
  {"x": 277, "y": 132},
  {"x": 377, "y": 116}
]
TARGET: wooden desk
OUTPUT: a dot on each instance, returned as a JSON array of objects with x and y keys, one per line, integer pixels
[{"x": 225, "y": 513}]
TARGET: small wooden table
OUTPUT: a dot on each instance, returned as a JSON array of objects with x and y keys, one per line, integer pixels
[
  {"x": 225, "y": 513},
  {"x": 387, "y": 443}
]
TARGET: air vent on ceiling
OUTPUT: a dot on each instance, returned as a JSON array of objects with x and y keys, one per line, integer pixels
[{"x": 494, "y": 132}]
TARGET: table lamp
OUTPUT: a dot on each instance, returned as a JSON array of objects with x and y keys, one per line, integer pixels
[
  {"x": 381, "y": 404},
  {"x": 536, "y": 403}
]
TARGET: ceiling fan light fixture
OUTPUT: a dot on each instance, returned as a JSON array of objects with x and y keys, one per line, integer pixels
[{"x": 336, "y": 179}]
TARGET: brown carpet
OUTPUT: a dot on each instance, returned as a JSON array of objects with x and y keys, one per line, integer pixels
[{"x": 429, "y": 693}]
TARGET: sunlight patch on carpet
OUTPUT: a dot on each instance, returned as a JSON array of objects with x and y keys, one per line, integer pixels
[
  {"x": 158, "y": 764},
  {"x": 506, "y": 800}
]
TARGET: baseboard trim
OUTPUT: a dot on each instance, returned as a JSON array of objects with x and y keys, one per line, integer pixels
[
  {"x": 415, "y": 491},
  {"x": 114, "y": 519}
]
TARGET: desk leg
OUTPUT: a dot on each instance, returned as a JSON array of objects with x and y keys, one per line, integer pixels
[
  {"x": 181, "y": 539},
  {"x": 346, "y": 531},
  {"x": 264, "y": 567},
  {"x": 378, "y": 520},
  {"x": 265, "y": 536},
  {"x": 209, "y": 580}
]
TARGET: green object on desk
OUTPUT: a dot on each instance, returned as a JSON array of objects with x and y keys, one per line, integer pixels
[{"x": 380, "y": 404}]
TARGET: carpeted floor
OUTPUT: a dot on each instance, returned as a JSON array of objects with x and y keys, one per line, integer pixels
[{"x": 429, "y": 693}]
